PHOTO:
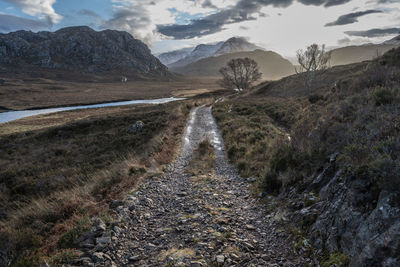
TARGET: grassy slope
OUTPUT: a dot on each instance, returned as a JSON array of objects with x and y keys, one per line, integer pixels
[{"x": 54, "y": 177}]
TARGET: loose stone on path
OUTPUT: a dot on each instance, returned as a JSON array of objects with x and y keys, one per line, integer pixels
[{"x": 180, "y": 220}]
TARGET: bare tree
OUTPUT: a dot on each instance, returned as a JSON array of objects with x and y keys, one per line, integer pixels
[
  {"x": 312, "y": 61},
  {"x": 240, "y": 73}
]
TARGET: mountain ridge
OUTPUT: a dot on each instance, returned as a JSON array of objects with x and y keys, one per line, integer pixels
[
  {"x": 182, "y": 58},
  {"x": 79, "y": 49}
]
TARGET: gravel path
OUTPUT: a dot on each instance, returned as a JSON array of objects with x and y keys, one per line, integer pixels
[{"x": 184, "y": 220}]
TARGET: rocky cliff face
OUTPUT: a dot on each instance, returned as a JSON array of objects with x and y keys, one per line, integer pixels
[{"x": 79, "y": 49}]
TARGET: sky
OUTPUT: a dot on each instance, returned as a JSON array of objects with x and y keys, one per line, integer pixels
[{"x": 283, "y": 26}]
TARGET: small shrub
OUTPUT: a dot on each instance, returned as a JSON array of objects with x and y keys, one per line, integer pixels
[
  {"x": 64, "y": 256},
  {"x": 136, "y": 170},
  {"x": 270, "y": 183},
  {"x": 283, "y": 158},
  {"x": 383, "y": 96},
  {"x": 336, "y": 259},
  {"x": 27, "y": 261},
  {"x": 315, "y": 98},
  {"x": 242, "y": 166},
  {"x": 68, "y": 240}
]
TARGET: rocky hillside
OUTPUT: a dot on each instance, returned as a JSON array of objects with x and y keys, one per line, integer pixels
[
  {"x": 78, "y": 49},
  {"x": 272, "y": 65}
]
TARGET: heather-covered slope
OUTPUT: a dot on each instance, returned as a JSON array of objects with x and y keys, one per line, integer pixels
[{"x": 333, "y": 160}]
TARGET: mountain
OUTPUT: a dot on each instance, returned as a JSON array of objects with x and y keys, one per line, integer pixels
[
  {"x": 173, "y": 56},
  {"x": 78, "y": 49},
  {"x": 353, "y": 54},
  {"x": 236, "y": 44},
  {"x": 200, "y": 51},
  {"x": 232, "y": 45},
  {"x": 272, "y": 65}
]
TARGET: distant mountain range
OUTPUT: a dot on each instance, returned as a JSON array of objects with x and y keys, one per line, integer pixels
[
  {"x": 86, "y": 51},
  {"x": 272, "y": 65},
  {"x": 79, "y": 49},
  {"x": 206, "y": 59},
  {"x": 182, "y": 57}
]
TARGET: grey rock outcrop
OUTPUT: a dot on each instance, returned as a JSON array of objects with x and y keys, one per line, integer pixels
[
  {"x": 79, "y": 49},
  {"x": 352, "y": 217}
]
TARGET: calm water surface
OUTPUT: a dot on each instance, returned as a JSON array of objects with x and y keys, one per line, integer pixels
[{"x": 15, "y": 115}]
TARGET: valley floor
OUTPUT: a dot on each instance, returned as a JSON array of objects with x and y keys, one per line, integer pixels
[
  {"x": 32, "y": 93},
  {"x": 180, "y": 219}
]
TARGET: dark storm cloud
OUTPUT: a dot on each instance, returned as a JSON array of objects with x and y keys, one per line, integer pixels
[
  {"x": 374, "y": 32},
  {"x": 351, "y": 17},
  {"x": 9, "y": 23},
  {"x": 130, "y": 18},
  {"x": 244, "y": 10},
  {"x": 325, "y": 3},
  {"x": 208, "y": 3}
]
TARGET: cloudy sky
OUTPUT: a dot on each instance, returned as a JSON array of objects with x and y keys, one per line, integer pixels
[{"x": 280, "y": 25}]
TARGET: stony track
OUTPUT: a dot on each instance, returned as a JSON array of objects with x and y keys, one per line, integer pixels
[{"x": 184, "y": 220}]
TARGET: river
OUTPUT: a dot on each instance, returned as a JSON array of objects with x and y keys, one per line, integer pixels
[{"x": 15, "y": 115}]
